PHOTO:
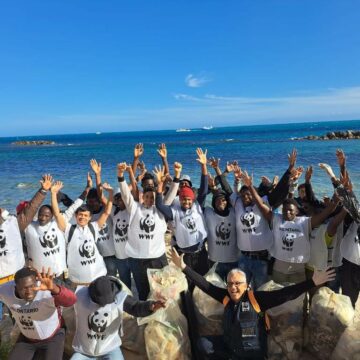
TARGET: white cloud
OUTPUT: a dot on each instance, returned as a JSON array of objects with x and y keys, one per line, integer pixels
[{"x": 196, "y": 81}]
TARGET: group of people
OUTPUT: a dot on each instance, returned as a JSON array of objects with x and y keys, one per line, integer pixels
[{"x": 249, "y": 234}]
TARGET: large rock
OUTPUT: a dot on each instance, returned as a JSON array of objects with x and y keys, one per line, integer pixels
[{"x": 33, "y": 142}]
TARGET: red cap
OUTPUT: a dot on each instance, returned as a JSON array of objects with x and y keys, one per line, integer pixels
[
  {"x": 21, "y": 206},
  {"x": 186, "y": 192}
]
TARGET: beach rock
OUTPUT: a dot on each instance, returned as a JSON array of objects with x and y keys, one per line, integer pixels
[
  {"x": 33, "y": 142},
  {"x": 333, "y": 135}
]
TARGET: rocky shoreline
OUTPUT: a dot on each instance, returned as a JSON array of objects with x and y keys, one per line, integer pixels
[
  {"x": 33, "y": 142},
  {"x": 333, "y": 135}
]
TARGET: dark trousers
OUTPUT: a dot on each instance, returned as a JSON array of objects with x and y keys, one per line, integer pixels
[
  {"x": 350, "y": 280},
  {"x": 139, "y": 268},
  {"x": 51, "y": 349}
]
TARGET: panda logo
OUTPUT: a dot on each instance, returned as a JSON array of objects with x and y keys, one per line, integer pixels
[
  {"x": 147, "y": 223},
  {"x": 121, "y": 227},
  {"x": 248, "y": 219},
  {"x": 223, "y": 230},
  {"x": 87, "y": 249},
  {"x": 2, "y": 239},
  {"x": 104, "y": 230},
  {"x": 288, "y": 241},
  {"x": 97, "y": 321},
  {"x": 27, "y": 322},
  {"x": 49, "y": 239},
  {"x": 190, "y": 223}
]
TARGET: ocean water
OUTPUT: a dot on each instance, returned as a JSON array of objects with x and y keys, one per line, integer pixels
[{"x": 261, "y": 150}]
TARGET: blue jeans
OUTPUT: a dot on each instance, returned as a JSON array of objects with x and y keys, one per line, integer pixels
[
  {"x": 115, "y": 354},
  {"x": 110, "y": 263},
  {"x": 123, "y": 268},
  {"x": 139, "y": 270},
  {"x": 255, "y": 270}
]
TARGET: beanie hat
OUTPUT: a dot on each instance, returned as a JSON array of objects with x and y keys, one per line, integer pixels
[
  {"x": 103, "y": 290},
  {"x": 186, "y": 192}
]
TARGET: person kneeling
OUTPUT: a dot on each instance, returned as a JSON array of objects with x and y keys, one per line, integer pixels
[
  {"x": 34, "y": 301},
  {"x": 244, "y": 320},
  {"x": 98, "y": 315}
]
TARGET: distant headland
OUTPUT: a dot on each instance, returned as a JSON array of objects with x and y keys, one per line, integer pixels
[
  {"x": 33, "y": 142},
  {"x": 333, "y": 135}
]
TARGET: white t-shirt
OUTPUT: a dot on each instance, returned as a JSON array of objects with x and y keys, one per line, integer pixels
[
  {"x": 350, "y": 244},
  {"x": 85, "y": 263},
  {"x": 147, "y": 227},
  {"x": 105, "y": 242},
  {"x": 97, "y": 328},
  {"x": 11, "y": 250},
  {"x": 252, "y": 229},
  {"x": 120, "y": 219},
  {"x": 46, "y": 246},
  {"x": 37, "y": 319},
  {"x": 189, "y": 225},
  {"x": 291, "y": 239},
  {"x": 221, "y": 236}
]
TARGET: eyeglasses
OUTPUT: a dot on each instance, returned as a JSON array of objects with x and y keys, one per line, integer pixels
[{"x": 235, "y": 283}]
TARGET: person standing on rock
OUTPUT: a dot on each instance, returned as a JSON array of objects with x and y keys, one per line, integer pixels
[{"x": 34, "y": 301}]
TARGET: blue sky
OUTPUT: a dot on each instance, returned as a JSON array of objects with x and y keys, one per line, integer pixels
[{"x": 82, "y": 66}]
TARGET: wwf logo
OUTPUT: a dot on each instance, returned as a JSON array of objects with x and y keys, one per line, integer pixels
[
  {"x": 26, "y": 321},
  {"x": 147, "y": 223},
  {"x": 87, "y": 249},
  {"x": 190, "y": 223},
  {"x": 248, "y": 219},
  {"x": 121, "y": 227},
  {"x": 49, "y": 239},
  {"x": 98, "y": 321},
  {"x": 288, "y": 241},
  {"x": 2, "y": 239},
  {"x": 223, "y": 230},
  {"x": 104, "y": 230}
]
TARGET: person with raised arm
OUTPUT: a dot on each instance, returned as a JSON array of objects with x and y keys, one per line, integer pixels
[
  {"x": 145, "y": 246},
  {"x": 99, "y": 314},
  {"x": 83, "y": 258},
  {"x": 34, "y": 301},
  {"x": 97, "y": 202},
  {"x": 245, "y": 322},
  {"x": 187, "y": 217},
  {"x": 11, "y": 228},
  {"x": 120, "y": 218}
]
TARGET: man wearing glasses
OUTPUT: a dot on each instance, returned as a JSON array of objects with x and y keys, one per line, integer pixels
[{"x": 245, "y": 323}]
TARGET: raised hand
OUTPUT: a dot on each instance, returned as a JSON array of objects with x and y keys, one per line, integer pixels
[
  {"x": 237, "y": 172},
  {"x": 246, "y": 179},
  {"x": 107, "y": 187},
  {"x": 296, "y": 173},
  {"x": 141, "y": 166},
  {"x": 95, "y": 166},
  {"x": 162, "y": 151},
  {"x": 56, "y": 187},
  {"x": 341, "y": 158},
  {"x": 159, "y": 173},
  {"x": 214, "y": 163},
  {"x": 46, "y": 281},
  {"x": 201, "y": 156},
  {"x": 275, "y": 180},
  {"x": 292, "y": 158},
  {"x": 321, "y": 277},
  {"x": 328, "y": 169},
  {"x": 138, "y": 150},
  {"x": 308, "y": 173},
  {"x": 177, "y": 169},
  {"x": 346, "y": 182},
  {"x": 89, "y": 182},
  {"x": 121, "y": 168},
  {"x": 230, "y": 166},
  {"x": 46, "y": 182},
  {"x": 177, "y": 259}
]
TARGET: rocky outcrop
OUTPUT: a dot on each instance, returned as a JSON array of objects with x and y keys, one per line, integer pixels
[
  {"x": 33, "y": 142},
  {"x": 333, "y": 135}
]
